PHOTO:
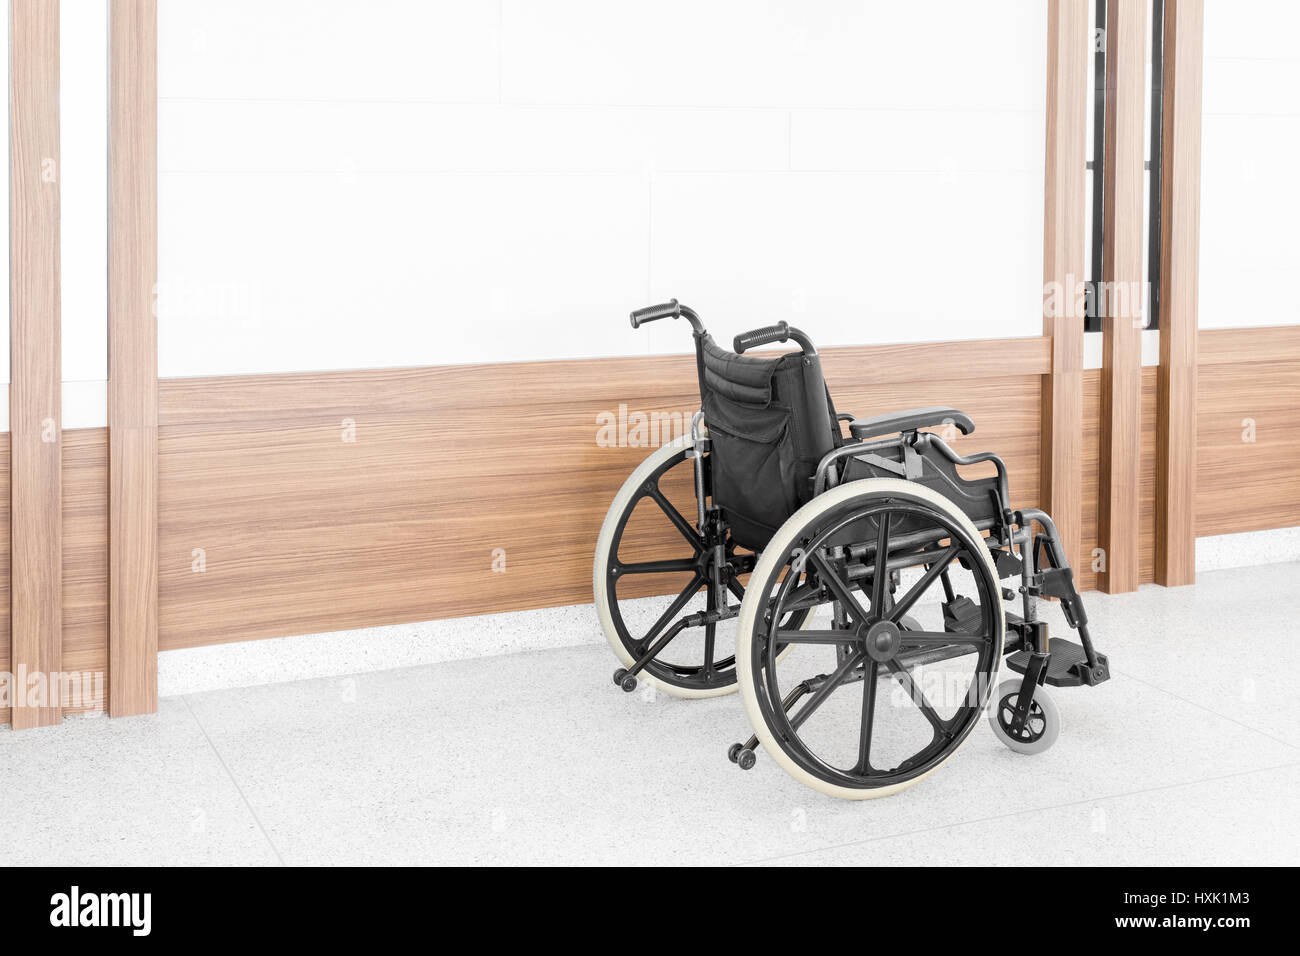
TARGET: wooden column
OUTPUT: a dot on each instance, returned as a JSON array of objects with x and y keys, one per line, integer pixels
[
  {"x": 133, "y": 358},
  {"x": 1122, "y": 299},
  {"x": 35, "y": 366},
  {"x": 1068, "y": 48},
  {"x": 1180, "y": 196}
]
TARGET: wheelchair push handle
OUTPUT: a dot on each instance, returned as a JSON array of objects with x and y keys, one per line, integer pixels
[
  {"x": 667, "y": 310},
  {"x": 781, "y": 332},
  {"x": 653, "y": 313}
]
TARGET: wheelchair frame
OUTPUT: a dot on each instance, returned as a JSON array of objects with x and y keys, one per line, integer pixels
[{"x": 919, "y": 458}]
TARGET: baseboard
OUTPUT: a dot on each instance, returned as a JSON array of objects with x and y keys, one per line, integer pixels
[
  {"x": 1249, "y": 548},
  {"x": 339, "y": 653},
  {"x": 342, "y": 653}
]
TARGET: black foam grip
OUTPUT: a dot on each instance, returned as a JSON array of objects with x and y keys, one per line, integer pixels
[
  {"x": 772, "y": 333},
  {"x": 652, "y": 313}
]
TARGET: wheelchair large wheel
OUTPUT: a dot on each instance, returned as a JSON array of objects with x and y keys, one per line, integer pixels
[
  {"x": 652, "y": 567},
  {"x": 891, "y": 690}
]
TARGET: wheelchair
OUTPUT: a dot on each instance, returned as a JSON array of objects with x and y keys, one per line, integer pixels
[{"x": 849, "y": 585}]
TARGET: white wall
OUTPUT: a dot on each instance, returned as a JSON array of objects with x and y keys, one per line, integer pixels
[
  {"x": 354, "y": 184},
  {"x": 83, "y": 209},
  {"x": 4, "y": 235},
  {"x": 1250, "y": 191}
]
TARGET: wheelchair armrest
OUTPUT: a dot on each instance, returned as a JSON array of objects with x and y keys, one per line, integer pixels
[{"x": 910, "y": 421}]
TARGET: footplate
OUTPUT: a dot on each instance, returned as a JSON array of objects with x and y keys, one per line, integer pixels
[{"x": 1067, "y": 666}]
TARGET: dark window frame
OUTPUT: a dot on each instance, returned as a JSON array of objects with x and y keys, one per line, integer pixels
[{"x": 1097, "y": 168}]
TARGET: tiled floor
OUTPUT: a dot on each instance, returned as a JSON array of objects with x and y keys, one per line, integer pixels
[{"x": 1190, "y": 755}]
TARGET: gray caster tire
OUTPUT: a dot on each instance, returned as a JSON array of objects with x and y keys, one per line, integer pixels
[{"x": 1042, "y": 728}]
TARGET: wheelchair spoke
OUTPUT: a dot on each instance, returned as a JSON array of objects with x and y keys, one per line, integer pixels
[
  {"x": 819, "y": 696},
  {"x": 680, "y": 523},
  {"x": 736, "y": 588},
  {"x": 673, "y": 610},
  {"x": 868, "y": 717},
  {"x": 832, "y": 580},
  {"x": 880, "y": 576},
  {"x": 921, "y": 586},
  {"x": 657, "y": 567},
  {"x": 917, "y": 696},
  {"x": 814, "y": 637},
  {"x": 939, "y": 638}
]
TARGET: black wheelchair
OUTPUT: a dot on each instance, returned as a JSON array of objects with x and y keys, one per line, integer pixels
[{"x": 850, "y": 585}]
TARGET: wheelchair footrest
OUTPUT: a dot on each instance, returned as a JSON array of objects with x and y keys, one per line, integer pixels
[
  {"x": 1067, "y": 666},
  {"x": 961, "y": 615}
]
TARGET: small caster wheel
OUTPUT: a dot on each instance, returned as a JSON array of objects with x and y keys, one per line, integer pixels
[
  {"x": 1040, "y": 730},
  {"x": 733, "y": 752},
  {"x": 625, "y": 680},
  {"x": 745, "y": 759}
]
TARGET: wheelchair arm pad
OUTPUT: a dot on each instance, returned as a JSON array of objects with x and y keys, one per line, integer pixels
[{"x": 910, "y": 421}]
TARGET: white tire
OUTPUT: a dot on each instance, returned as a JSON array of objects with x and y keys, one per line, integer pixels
[
  {"x": 625, "y": 496},
  {"x": 1041, "y": 730},
  {"x": 765, "y": 576}
]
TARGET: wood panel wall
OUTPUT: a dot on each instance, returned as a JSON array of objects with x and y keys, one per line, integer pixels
[
  {"x": 1120, "y": 302},
  {"x": 1090, "y": 479},
  {"x": 133, "y": 356},
  {"x": 84, "y": 641},
  {"x": 299, "y": 530},
  {"x": 35, "y": 360},
  {"x": 1247, "y": 443},
  {"x": 1068, "y": 35},
  {"x": 291, "y": 504}
]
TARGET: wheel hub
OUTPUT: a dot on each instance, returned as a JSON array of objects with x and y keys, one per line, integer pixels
[{"x": 881, "y": 640}]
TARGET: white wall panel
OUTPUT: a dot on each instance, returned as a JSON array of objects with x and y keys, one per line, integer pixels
[
  {"x": 1250, "y": 194},
  {"x": 83, "y": 198},
  {"x": 4, "y": 234},
  {"x": 765, "y": 53},
  {"x": 300, "y": 272},
  {"x": 853, "y": 258},
  {"x": 409, "y": 137},
  {"x": 440, "y": 50},
  {"x": 349, "y": 184}
]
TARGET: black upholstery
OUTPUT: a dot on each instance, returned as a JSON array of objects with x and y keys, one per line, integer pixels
[{"x": 770, "y": 422}]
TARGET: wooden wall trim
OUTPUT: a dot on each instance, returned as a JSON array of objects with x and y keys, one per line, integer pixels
[
  {"x": 1063, "y": 241},
  {"x": 1121, "y": 302},
  {"x": 1180, "y": 203},
  {"x": 1265, "y": 343},
  {"x": 133, "y": 357},
  {"x": 294, "y": 504},
  {"x": 35, "y": 364}
]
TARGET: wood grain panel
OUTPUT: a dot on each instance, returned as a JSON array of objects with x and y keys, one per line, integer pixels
[
  {"x": 302, "y": 503},
  {"x": 1086, "y": 571},
  {"x": 1068, "y": 45},
  {"x": 1180, "y": 205},
  {"x": 35, "y": 363},
  {"x": 133, "y": 357},
  {"x": 85, "y": 565},
  {"x": 1280, "y": 343},
  {"x": 85, "y": 556},
  {"x": 1248, "y": 448},
  {"x": 6, "y": 655},
  {"x": 1121, "y": 302}
]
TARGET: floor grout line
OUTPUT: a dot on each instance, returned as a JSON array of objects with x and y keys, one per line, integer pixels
[
  {"x": 1209, "y": 710},
  {"x": 1014, "y": 813},
  {"x": 238, "y": 789}
]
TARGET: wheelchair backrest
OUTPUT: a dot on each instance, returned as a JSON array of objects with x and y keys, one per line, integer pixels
[{"x": 770, "y": 422}]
